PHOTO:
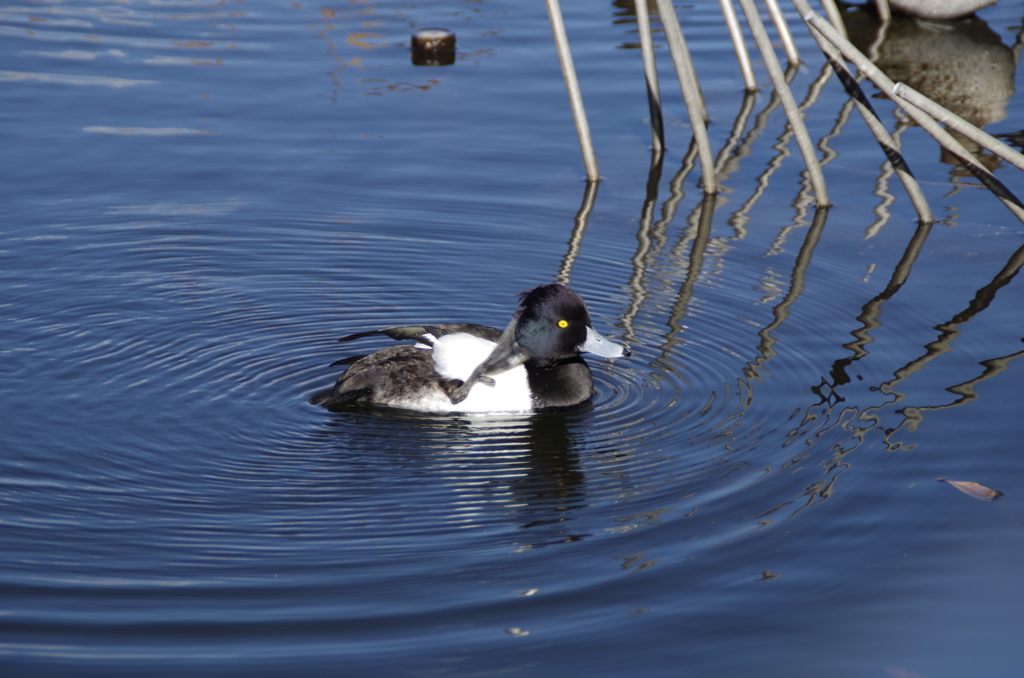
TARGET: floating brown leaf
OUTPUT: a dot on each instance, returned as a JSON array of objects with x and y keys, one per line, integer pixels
[{"x": 974, "y": 489}]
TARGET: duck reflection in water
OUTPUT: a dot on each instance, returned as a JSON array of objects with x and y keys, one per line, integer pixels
[
  {"x": 961, "y": 64},
  {"x": 487, "y": 472}
]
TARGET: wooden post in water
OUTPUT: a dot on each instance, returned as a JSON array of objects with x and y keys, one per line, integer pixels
[
  {"x": 739, "y": 45},
  {"x": 792, "y": 56},
  {"x": 572, "y": 86},
  {"x": 643, "y": 23},
  {"x": 803, "y": 139},
  {"x": 691, "y": 91}
]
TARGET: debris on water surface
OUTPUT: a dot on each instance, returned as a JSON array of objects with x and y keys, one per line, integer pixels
[{"x": 974, "y": 489}]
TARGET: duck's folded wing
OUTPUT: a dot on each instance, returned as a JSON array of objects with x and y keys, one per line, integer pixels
[
  {"x": 382, "y": 377},
  {"x": 425, "y": 334}
]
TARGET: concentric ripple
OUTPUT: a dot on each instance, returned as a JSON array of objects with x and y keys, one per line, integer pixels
[{"x": 229, "y": 464}]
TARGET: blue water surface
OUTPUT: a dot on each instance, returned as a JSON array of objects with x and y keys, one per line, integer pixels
[{"x": 198, "y": 199}]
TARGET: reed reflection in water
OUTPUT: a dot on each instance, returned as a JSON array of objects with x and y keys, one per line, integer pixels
[{"x": 902, "y": 47}]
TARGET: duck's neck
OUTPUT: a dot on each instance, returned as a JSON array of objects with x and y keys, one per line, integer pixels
[{"x": 560, "y": 384}]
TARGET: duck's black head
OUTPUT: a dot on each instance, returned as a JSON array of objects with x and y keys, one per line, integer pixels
[{"x": 553, "y": 324}]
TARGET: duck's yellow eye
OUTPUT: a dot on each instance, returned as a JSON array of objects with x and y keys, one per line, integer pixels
[{"x": 563, "y": 323}]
